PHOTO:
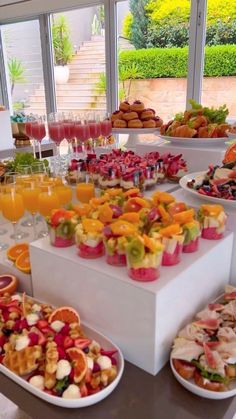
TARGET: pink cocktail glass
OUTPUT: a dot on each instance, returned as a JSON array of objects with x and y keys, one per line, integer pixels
[
  {"x": 38, "y": 133},
  {"x": 28, "y": 130},
  {"x": 106, "y": 127},
  {"x": 56, "y": 133}
]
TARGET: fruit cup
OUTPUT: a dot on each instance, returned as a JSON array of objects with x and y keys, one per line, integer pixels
[
  {"x": 144, "y": 256},
  {"x": 191, "y": 229},
  {"x": 172, "y": 238},
  {"x": 61, "y": 226},
  {"x": 89, "y": 238},
  {"x": 212, "y": 219},
  {"x": 116, "y": 237}
]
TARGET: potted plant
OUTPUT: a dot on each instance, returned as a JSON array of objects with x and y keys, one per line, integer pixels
[{"x": 63, "y": 49}]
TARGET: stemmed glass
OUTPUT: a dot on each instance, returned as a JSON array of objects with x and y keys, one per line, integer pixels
[
  {"x": 106, "y": 127},
  {"x": 82, "y": 134},
  {"x": 30, "y": 195},
  {"x": 94, "y": 128},
  {"x": 69, "y": 125},
  {"x": 12, "y": 204},
  {"x": 3, "y": 231},
  {"x": 28, "y": 130},
  {"x": 38, "y": 131},
  {"x": 47, "y": 201},
  {"x": 56, "y": 130},
  {"x": 25, "y": 173}
]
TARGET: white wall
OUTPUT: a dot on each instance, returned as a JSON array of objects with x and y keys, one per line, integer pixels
[{"x": 33, "y": 7}]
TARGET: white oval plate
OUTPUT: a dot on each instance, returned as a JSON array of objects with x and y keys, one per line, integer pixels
[
  {"x": 207, "y": 394},
  {"x": 231, "y": 135},
  {"x": 185, "y": 179},
  {"x": 195, "y": 141},
  {"x": 135, "y": 130},
  {"x": 83, "y": 401}
]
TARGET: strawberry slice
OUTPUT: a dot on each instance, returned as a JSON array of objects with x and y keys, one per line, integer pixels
[
  {"x": 88, "y": 375},
  {"x": 83, "y": 390},
  {"x": 57, "y": 217},
  {"x": 92, "y": 390},
  {"x": 230, "y": 296},
  {"x": 109, "y": 353},
  {"x": 2, "y": 341},
  {"x": 42, "y": 339},
  {"x": 41, "y": 324},
  {"x": 34, "y": 338},
  {"x": 68, "y": 342},
  {"x": 82, "y": 343}
]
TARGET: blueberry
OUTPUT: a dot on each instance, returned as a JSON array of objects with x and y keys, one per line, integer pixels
[
  {"x": 6, "y": 332},
  {"x": 86, "y": 350}
]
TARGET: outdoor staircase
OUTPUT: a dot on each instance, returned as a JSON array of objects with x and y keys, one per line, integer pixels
[{"x": 80, "y": 94}]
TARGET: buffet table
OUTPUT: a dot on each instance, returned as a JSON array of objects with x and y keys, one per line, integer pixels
[{"x": 139, "y": 396}]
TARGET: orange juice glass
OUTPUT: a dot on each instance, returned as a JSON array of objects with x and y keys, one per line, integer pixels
[
  {"x": 47, "y": 201},
  {"x": 12, "y": 206},
  {"x": 30, "y": 198},
  {"x": 85, "y": 191},
  {"x": 64, "y": 194}
]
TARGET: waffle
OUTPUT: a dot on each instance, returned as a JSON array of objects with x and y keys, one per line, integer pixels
[
  {"x": 23, "y": 362},
  {"x": 50, "y": 365}
]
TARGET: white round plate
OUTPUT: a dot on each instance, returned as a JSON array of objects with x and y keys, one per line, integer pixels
[
  {"x": 207, "y": 394},
  {"x": 195, "y": 141},
  {"x": 231, "y": 135},
  {"x": 135, "y": 130},
  {"x": 105, "y": 343},
  {"x": 197, "y": 176}
]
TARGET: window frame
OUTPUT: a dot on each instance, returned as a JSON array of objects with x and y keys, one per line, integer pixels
[{"x": 195, "y": 55}]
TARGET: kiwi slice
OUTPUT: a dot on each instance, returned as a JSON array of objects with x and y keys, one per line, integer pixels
[
  {"x": 135, "y": 251},
  {"x": 66, "y": 229}
]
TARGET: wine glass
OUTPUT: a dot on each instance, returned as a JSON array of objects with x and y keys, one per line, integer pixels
[
  {"x": 94, "y": 127},
  {"x": 38, "y": 131},
  {"x": 28, "y": 130},
  {"x": 56, "y": 130},
  {"x": 47, "y": 201},
  {"x": 12, "y": 204},
  {"x": 30, "y": 195},
  {"x": 82, "y": 134},
  {"x": 39, "y": 171},
  {"x": 69, "y": 123},
  {"x": 3, "y": 231},
  {"x": 106, "y": 127},
  {"x": 25, "y": 174}
]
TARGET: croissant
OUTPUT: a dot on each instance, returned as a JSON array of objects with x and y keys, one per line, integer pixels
[
  {"x": 208, "y": 132},
  {"x": 184, "y": 131},
  {"x": 221, "y": 130},
  {"x": 198, "y": 121},
  {"x": 172, "y": 127}
]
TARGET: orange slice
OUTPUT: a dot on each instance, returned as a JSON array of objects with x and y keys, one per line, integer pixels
[
  {"x": 92, "y": 226},
  {"x": 23, "y": 262},
  {"x": 230, "y": 154},
  {"x": 105, "y": 213},
  {"x": 163, "y": 213},
  {"x": 122, "y": 228},
  {"x": 65, "y": 314},
  {"x": 162, "y": 198},
  {"x": 114, "y": 191},
  {"x": 212, "y": 210},
  {"x": 130, "y": 192},
  {"x": 8, "y": 283},
  {"x": 131, "y": 217},
  {"x": 176, "y": 207},
  {"x": 170, "y": 230},
  {"x": 82, "y": 210},
  {"x": 79, "y": 361},
  {"x": 95, "y": 202},
  {"x": 184, "y": 216},
  {"x": 149, "y": 243},
  {"x": 14, "y": 251}
]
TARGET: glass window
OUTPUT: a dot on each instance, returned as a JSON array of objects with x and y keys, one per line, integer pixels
[
  {"x": 79, "y": 59},
  {"x": 153, "y": 53},
  {"x": 22, "y": 48},
  {"x": 219, "y": 82}
]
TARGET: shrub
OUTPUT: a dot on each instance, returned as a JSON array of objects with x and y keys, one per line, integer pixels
[
  {"x": 168, "y": 36},
  {"x": 168, "y": 11},
  {"x": 140, "y": 21},
  {"x": 172, "y": 62},
  {"x": 221, "y": 33},
  {"x": 127, "y": 26}
]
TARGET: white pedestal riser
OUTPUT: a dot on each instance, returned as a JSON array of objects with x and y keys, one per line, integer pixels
[{"x": 142, "y": 318}]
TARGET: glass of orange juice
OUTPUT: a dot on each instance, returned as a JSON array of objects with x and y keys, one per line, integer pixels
[
  {"x": 85, "y": 191},
  {"x": 13, "y": 210},
  {"x": 47, "y": 201},
  {"x": 64, "y": 194},
  {"x": 30, "y": 194}
]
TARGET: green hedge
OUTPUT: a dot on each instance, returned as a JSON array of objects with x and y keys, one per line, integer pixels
[{"x": 172, "y": 62}]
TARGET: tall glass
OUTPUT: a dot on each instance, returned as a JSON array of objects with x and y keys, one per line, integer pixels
[
  {"x": 69, "y": 124},
  {"x": 38, "y": 132},
  {"x": 30, "y": 195},
  {"x": 82, "y": 134},
  {"x": 56, "y": 130},
  {"x": 94, "y": 128},
  {"x": 3, "y": 231},
  {"x": 25, "y": 174},
  {"x": 28, "y": 130},
  {"x": 47, "y": 201},
  {"x": 106, "y": 127}
]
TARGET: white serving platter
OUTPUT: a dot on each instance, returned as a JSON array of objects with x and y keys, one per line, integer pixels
[
  {"x": 207, "y": 394},
  {"x": 135, "y": 130},
  {"x": 107, "y": 344},
  {"x": 195, "y": 141},
  {"x": 198, "y": 176}
]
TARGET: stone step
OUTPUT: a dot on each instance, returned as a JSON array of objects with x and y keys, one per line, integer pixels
[
  {"x": 71, "y": 93},
  {"x": 71, "y": 98},
  {"x": 83, "y": 61},
  {"x": 94, "y": 66}
]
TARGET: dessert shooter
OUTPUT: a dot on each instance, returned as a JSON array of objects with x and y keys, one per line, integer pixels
[
  {"x": 212, "y": 219},
  {"x": 172, "y": 238},
  {"x": 61, "y": 226},
  {"x": 89, "y": 238},
  {"x": 116, "y": 238},
  {"x": 144, "y": 256},
  {"x": 191, "y": 230}
]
